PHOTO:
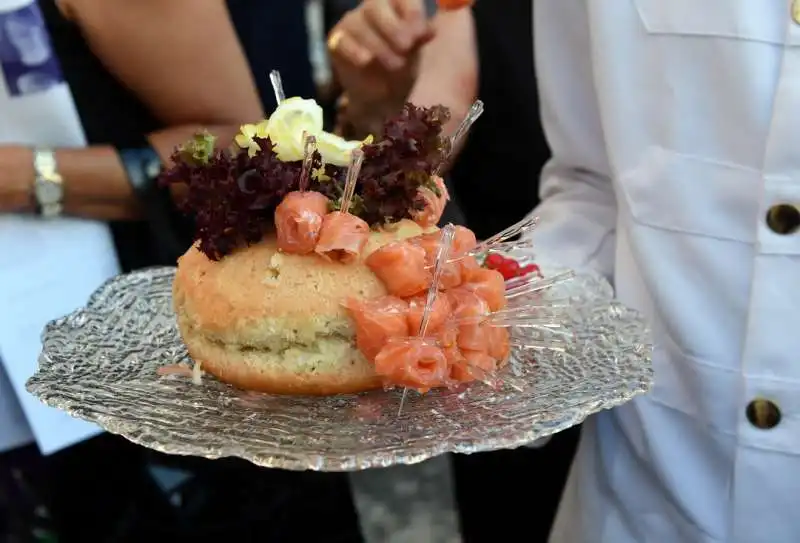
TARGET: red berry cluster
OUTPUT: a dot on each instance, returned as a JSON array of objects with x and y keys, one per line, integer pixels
[{"x": 508, "y": 267}]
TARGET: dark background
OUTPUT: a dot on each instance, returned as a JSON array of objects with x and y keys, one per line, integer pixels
[{"x": 104, "y": 490}]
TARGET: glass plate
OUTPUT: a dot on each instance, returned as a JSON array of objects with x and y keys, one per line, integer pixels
[{"x": 100, "y": 364}]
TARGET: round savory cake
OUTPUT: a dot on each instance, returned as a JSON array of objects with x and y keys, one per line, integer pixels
[
  {"x": 317, "y": 267},
  {"x": 264, "y": 320}
]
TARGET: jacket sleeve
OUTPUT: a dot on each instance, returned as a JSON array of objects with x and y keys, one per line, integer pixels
[{"x": 578, "y": 213}]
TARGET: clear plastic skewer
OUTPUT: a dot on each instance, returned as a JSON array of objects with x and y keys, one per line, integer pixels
[
  {"x": 475, "y": 111},
  {"x": 356, "y": 160},
  {"x": 528, "y": 344},
  {"x": 442, "y": 254},
  {"x": 532, "y": 326},
  {"x": 502, "y": 247},
  {"x": 277, "y": 86},
  {"x": 521, "y": 227},
  {"x": 499, "y": 242},
  {"x": 309, "y": 147},
  {"x": 536, "y": 284}
]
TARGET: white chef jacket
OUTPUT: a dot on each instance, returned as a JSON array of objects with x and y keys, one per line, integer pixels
[{"x": 675, "y": 129}]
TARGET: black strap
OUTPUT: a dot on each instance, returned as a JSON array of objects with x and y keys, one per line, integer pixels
[
  {"x": 170, "y": 234},
  {"x": 142, "y": 166}
]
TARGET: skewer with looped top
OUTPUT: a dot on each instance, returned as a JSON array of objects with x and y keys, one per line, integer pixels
[
  {"x": 475, "y": 111},
  {"x": 277, "y": 86},
  {"x": 500, "y": 241},
  {"x": 351, "y": 178}
]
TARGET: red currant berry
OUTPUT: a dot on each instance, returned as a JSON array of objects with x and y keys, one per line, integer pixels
[
  {"x": 509, "y": 269},
  {"x": 494, "y": 261}
]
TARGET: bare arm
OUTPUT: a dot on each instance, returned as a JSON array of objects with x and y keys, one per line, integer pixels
[
  {"x": 182, "y": 59},
  {"x": 95, "y": 183},
  {"x": 448, "y": 70}
]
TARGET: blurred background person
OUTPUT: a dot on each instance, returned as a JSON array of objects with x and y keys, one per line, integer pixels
[
  {"x": 87, "y": 87},
  {"x": 128, "y": 81},
  {"x": 386, "y": 52}
]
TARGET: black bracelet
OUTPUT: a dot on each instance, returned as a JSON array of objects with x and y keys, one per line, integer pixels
[
  {"x": 170, "y": 234},
  {"x": 143, "y": 167}
]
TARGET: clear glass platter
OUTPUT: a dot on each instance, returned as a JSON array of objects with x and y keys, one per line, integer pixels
[{"x": 100, "y": 364}]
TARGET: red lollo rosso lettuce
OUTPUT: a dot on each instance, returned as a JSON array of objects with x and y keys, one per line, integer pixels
[{"x": 232, "y": 196}]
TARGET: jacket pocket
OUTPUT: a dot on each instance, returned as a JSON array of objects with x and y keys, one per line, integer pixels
[
  {"x": 752, "y": 20},
  {"x": 693, "y": 195}
]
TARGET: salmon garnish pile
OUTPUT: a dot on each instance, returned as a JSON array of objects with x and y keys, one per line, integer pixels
[{"x": 459, "y": 343}]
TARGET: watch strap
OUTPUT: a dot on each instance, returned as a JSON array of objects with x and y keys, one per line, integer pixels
[
  {"x": 170, "y": 235},
  {"x": 142, "y": 166}
]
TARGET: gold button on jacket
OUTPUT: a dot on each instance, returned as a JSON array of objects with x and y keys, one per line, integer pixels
[
  {"x": 784, "y": 218},
  {"x": 763, "y": 414}
]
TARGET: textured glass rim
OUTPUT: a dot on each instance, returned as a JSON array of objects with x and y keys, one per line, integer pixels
[{"x": 72, "y": 400}]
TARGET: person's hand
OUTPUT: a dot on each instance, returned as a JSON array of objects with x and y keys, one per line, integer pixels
[
  {"x": 375, "y": 51},
  {"x": 16, "y": 179}
]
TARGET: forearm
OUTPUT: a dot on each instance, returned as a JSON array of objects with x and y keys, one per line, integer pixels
[
  {"x": 577, "y": 218},
  {"x": 448, "y": 71},
  {"x": 96, "y": 184}
]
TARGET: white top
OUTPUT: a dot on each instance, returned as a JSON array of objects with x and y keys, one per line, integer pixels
[
  {"x": 675, "y": 127},
  {"x": 47, "y": 268}
]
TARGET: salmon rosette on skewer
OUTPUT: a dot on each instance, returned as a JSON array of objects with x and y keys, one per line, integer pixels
[
  {"x": 300, "y": 215},
  {"x": 343, "y": 234}
]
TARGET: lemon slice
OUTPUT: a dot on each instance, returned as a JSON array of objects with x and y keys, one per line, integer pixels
[
  {"x": 334, "y": 149},
  {"x": 294, "y": 117},
  {"x": 298, "y": 114}
]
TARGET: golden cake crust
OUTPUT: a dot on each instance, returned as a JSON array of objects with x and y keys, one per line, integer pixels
[{"x": 263, "y": 320}]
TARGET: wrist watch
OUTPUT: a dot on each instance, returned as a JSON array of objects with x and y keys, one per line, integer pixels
[{"x": 49, "y": 185}]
